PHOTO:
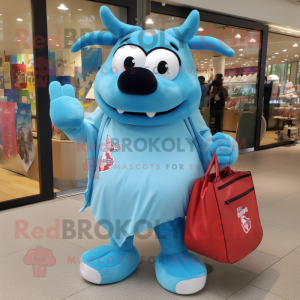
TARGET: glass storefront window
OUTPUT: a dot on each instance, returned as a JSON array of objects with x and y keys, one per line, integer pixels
[
  {"x": 236, "y": 115},
  {"x": 66, "y": 24},
  {"x": 280, "y": 120},
  {"x": 19, "y": 156}
]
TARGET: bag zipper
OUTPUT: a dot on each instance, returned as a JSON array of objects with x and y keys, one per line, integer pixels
[
  {"x": 232, "y": 181},
  {"x": 239, "y": 196}
]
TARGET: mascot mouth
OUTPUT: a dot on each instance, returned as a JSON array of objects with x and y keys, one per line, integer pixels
[{"x": 149, "y": 114}]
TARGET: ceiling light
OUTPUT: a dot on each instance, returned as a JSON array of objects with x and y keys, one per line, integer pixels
[
  {"x": 79, "y": 9},
  {"x": 50, "y": 39},
  {"x": 282, "y": 61},
  {"x": 238, "y": 58},
  {"x": 205, "y": 62},
  {"x": 20, "y": 20},
  {"x": 0, "y": 14},
  {"x": 296, "y": 55},
  {"x": 237, "y": 36},
  {"x": 252, "y": 40},
  {"x": 273, "y": 56},
  {"x": 201, "y": 64},
  {"x": 285, "y": 59},
  {"x": 284, "y": 50},
  {"x": 62, "y": 7},
  {"x": 241, "y": 54},
  {"x": 295, "y": 45},
  {"x": 269, "y": 58},
  {"x": 241, "y": 50},
  {"x": 276, "y": 53},
  {"x": 205, "y": 58},
  {"x": 200, "y": 29},
  {"x": 1, "y": 28},
  {"x": 57, "y": 45},
  {"x": 149, "y": 21}
]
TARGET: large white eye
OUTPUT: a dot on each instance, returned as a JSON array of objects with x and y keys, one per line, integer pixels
[
  {"x": 163, "y": 63},
  {"x": 127, "y": 57}
]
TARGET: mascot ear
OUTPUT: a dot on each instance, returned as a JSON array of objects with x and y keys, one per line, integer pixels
[
  {"x": 210, "y": 43},
  {"x": 188, "y": 29},
  {"x": 117, "y": 30}
]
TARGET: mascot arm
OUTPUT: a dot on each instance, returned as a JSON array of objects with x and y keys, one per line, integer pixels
[
  {"x": 224, "y": 145},
  {"x": 67, "y": 114}
]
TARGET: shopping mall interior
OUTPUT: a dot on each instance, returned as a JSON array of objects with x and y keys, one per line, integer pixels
[{"x": 43, "y": 174}]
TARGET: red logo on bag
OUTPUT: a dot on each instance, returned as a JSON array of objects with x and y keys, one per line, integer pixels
[
  {"x": 246, "y": 222},
  {"x": 106, "y": 160}
]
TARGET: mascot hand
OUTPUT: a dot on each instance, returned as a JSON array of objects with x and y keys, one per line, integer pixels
[
  {"x": 66, "y": 112},
  {"x": 225, "y": 147}
]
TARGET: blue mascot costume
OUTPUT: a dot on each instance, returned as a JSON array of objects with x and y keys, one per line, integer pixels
[{"x": 147, "y": 144}]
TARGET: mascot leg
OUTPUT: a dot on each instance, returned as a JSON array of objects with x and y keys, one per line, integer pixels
[
  {"x": 176, "y": 269},
  {"x": 109, "y": 263}
]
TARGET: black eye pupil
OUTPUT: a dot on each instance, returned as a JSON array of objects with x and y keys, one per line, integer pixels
[
  {"x": 162, "y": 67},
  {"x": 129, "y": 62}
]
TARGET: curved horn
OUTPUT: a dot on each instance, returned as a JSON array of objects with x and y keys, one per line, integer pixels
[
  {"x": 212, "y": 44},
  {"x": 188, "y": 29},
  {"x": 116, "y": 27},
  {"x": 103, "y": 38}
]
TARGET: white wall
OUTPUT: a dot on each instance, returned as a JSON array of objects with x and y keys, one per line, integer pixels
[{"x": 282, "y": 12}]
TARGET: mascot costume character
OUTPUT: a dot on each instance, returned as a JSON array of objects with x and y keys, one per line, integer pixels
[{"x": 144, "y": 146}]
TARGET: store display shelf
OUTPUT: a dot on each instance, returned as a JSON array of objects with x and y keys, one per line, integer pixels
[
  {"x": 284, "y": 118},
  {"x": 61, "y": 141},
  {"x": 239, "y": 82}
]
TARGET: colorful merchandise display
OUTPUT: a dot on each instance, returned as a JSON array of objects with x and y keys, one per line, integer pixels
[
  {"x": 30, "y": 78},
  {"x": 289, "y": 91},
  {"x": 24, "y": 135},
  {"x": 17, "y": 83},
  {"x": 139, "y": 183},
  {"x": 7, "y": 79},
  {"x": 8, "y": 129},
  {"x": 18, "y": 76}
]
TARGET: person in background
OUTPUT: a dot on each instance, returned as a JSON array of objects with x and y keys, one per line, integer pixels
[
  {"x": 267, "y": 97},
  {"x": 217, "y": 95},
  {"x": 203, "y": 91},
  {"x": 216, "y": 77}
]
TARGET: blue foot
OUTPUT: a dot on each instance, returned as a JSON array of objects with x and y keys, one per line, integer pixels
[
  {"x": 181, "y": 274},
  {"x": 109, "y": 263}
]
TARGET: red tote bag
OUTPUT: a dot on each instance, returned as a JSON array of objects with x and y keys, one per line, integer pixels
[{"x": 222, "y": 220}]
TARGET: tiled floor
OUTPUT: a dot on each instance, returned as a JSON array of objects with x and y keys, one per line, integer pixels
[{"x": 271, "y": 272}]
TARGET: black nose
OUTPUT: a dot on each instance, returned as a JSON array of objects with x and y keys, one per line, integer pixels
[{"x": 137, "y": 81}]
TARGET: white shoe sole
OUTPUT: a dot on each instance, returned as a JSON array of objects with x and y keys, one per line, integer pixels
[
  {"x": 190, "y": 286},
  {"x": 89, "y": 273}
]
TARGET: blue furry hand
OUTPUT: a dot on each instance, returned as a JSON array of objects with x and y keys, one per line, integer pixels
[
  {"x": 66, "y": 112},
  {"x": 225, "y": 147}
]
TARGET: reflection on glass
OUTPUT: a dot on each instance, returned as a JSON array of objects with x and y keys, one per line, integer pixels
[
  {"x": 280, "y": 121},
  {"x": 230, "y": 105},
  {"x": 19, "y": 157},
  {"x": 79, "y": 69}
]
